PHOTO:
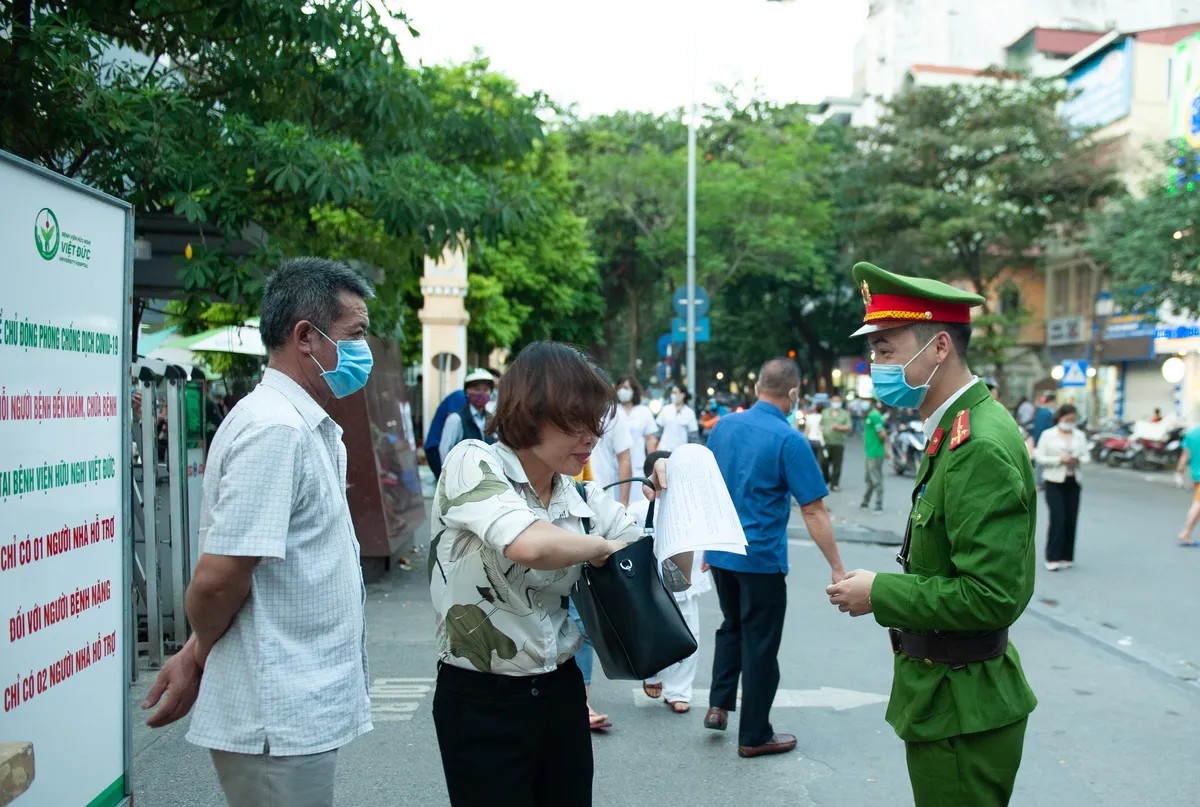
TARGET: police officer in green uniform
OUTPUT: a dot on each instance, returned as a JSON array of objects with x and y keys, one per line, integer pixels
[{"x": 959, "y": 697}]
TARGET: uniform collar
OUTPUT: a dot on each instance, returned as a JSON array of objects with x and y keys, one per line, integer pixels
[
  {"x": 310, "y": 411},
  {"x": 935, "y": 420},
  {"x": 564, "y": 499}
]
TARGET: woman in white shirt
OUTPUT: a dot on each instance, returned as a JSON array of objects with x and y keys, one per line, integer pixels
[
  {"x": 674, "y": 684},
  {"x": 642, "y": 428},
  {"x": 816, "y": 438},
  {"x": 1060, "y": 451},
  {"x": 677, "y": 421}
]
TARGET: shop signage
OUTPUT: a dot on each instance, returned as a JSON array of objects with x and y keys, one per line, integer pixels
[
  {"x": 1101, "y": 88},
  {"x": 1065, "y": 331}
]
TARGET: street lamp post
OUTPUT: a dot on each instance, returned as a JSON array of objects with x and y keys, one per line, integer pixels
[{"x": 691, "y": 250}]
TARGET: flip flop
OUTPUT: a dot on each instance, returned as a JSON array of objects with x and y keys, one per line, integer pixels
[
  {"x": 1192, "y": 543},
  {"x": 652, "y": 695},
  {"x": 603, "y": 724},
  {"x": 687, "y": 707}
]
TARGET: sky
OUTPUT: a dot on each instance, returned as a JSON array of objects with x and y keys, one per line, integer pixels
[{"x": 638, "y": 54}]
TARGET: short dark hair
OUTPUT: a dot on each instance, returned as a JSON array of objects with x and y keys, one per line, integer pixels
[
  {"x": 779, "y": 376},
  {"x": 306, "y": 289},
  {"x": 959, "y": 333},
  {"x": 634, "y": 385},
  {"x": 1064, "y": 410},
  {"x": 549, "y": 382},
  {"x": 651, "y": 458}
]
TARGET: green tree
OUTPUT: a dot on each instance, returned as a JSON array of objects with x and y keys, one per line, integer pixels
[
  {"x": 1148, "y": 245},
  {"x": 630, "y": 171},
  {"x": 297, "y": 126},
  {"x": 964, "y": 183},
  {"x": 542, "y": 284}
]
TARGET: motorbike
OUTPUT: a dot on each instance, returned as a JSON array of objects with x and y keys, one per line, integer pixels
[
  {"x": 1158, "y": 454},
  {"x": 1114, "y": 439},
  {"x": 907, "y": 444}
]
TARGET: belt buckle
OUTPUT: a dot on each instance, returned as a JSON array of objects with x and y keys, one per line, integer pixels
[{"x": 894, "y": 636}]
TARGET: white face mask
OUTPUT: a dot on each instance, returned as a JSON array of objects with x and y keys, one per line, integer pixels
[
  {"x": 676, "y": 397},
  {"x": 1063, "y": 426},
  {"x": 624, "y": 395}
]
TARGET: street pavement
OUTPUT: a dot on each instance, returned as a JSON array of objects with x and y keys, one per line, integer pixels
[{"x": 1110, "y": 647}]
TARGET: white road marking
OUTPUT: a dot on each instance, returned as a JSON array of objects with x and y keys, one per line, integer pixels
[
  {"x": 395, "y": 699},
  {"x": 824, "y": 698}
]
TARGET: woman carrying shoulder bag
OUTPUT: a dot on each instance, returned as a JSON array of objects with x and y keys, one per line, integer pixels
[
  {"x": 1060, "y": 451},
  {"x": 510, "y": 708}
]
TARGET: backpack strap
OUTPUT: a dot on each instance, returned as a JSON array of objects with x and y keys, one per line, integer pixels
[{"x": 587, "y": 522}]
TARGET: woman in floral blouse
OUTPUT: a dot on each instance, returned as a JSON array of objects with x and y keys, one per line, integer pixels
[{"x": 510, "y": 709}]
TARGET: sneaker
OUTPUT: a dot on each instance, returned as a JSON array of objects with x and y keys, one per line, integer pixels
[
  {"x": 878, "y": 511},
  {"x": 1053, "y": 566}
]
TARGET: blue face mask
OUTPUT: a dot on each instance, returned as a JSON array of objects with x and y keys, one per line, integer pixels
[
  {"x": 893, "y": 388},
  {"x": 353, "y": 367}
]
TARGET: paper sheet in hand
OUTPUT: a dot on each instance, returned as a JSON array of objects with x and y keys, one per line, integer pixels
[{"x": 695, "y": 512}]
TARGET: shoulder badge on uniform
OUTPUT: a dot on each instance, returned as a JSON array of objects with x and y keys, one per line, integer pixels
[
  {"x": 935, "y": 442},
  {"x": 961, "y": 430}
]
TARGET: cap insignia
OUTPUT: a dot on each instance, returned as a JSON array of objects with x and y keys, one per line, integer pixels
[{"x": 866, "y": 293}]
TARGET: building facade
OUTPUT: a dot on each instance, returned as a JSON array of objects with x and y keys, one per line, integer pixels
[
  {"x": 1123, "y": 91},
  {"x": 974, "y": 34}
]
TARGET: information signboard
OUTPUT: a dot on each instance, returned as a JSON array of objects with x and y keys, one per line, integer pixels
[{"x": 65, "y": 552}]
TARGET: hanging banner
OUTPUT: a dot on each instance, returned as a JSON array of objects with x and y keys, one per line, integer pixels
[{"x": 65, "y": 552}]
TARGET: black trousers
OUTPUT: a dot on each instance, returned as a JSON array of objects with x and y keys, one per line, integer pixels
[
  {"x": 747, "y": 645},
  {"x": 514, "y": 740},
  {"x": 833, "y": 472},
  {"x": 434, "y": 458},
  {"x": 818, "y": 450},
  {"x": 1063, "y": 500}
]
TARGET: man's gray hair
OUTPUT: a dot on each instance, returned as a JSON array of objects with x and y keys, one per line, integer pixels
[
  {"x": 778, "y": 377},
  {"x": 306, "y": 289}
]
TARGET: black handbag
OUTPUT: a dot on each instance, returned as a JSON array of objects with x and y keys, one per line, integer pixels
[{"x": 630, "y": 617}]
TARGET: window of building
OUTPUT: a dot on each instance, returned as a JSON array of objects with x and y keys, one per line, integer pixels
[
  {"x": 1060, "y": 286},
  {"x": 1085, "y": 290}
]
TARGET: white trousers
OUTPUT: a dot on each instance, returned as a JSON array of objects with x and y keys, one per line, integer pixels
[{"x": 677, "y": 679}]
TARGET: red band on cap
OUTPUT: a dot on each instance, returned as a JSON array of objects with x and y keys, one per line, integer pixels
[{"x": 899, "y": 307}]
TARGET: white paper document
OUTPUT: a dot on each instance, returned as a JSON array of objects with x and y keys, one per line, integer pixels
[{"x": 695, "y": 512}]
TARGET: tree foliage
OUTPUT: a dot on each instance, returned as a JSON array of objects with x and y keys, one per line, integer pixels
[
  {"x": 965, "y": 181},
  {"x": 298, "y": 126},
  {"x": 1149, "y": 245}
]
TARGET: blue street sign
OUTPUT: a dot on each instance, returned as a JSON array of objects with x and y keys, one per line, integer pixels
[
  {"x": 1074, "y": 374},
  {"x": 680, "y": 301},
  {"x": 664, "y": 344},
  {"x": 679, "y": 329}
]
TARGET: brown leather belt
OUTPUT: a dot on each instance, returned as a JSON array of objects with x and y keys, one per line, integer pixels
[{"x": 956, "y": 651}]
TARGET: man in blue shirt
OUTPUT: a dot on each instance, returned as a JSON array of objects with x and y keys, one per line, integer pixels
[
  {"x": 764, "y": 462},
  {"x": 453, "y": 402}
]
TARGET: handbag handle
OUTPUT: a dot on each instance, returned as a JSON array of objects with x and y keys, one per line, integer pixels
[{"x": 648, "y": 483}]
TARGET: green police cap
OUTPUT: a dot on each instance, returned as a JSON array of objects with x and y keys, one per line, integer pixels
[{"x": 893, "y": 300}]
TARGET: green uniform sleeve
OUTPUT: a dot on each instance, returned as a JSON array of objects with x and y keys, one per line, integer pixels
[{"x": 988, "y": 522}]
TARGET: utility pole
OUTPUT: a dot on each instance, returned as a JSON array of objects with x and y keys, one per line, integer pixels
[{"x": 691, "y": 253}]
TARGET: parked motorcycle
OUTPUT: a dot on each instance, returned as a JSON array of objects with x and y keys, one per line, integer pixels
[
  {"x": 907, "y": 443},
  {"x": 1158, "y": 454}
]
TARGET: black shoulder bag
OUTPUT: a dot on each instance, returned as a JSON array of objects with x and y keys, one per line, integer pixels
[{"x": 631, "y": 618}]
